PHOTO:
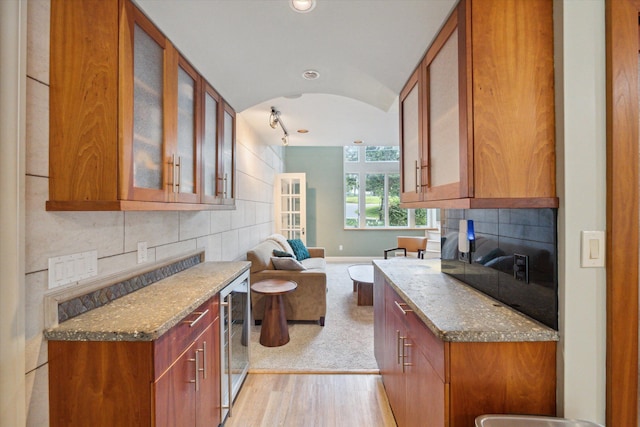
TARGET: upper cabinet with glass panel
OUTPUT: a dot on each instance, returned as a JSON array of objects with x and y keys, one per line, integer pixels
[
  {"x": 477, "y": 116},
  {"x": 152, "y": 137}
]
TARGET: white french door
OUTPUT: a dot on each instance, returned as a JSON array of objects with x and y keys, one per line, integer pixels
[{"x": 291, "y": 205}]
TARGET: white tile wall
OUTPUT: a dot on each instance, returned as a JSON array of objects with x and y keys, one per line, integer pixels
[
  {"x": 38, "y": 12},
  {"x": 50, "y": 234},
  {"x": 224, "y": 235},
  {"x": 37, "y": 131}
]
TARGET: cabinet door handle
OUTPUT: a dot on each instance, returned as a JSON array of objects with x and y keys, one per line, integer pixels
[
  {"x": 398, "y": 348},
  {"x": 173, "y": 173},
  {"x": 404, "y": 354},
  {"x": 200, "y": 314},
  {"x": 403, "y": 310},
  {"x": 178, "y": 172},
  {"x": 197, "y": 380},
  {"x": 418, "y": 177},
  {"x": 204, "y": 360},
  {"x": 224, "y": 186}
]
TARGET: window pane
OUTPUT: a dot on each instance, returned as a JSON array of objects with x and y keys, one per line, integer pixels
[
  {"x": 421, "y": 217},
  {"x": 382, "y": 154},
  {"x": 375, "y": 210},
  {"x": 352, "y": 189},
  {"x": 351, "y": 154},
  {"x": 398, "y": 217}
]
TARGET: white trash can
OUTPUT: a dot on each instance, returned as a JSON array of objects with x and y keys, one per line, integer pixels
[{"x": 529, "y": 421}]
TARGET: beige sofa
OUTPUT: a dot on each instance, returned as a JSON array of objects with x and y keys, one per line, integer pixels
[{"x": 309, "y": 300}]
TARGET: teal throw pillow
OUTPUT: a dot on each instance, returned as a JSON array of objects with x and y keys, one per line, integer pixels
[
  {"x": 299, "y": 249},
  {"x": 282, "y": 254}
]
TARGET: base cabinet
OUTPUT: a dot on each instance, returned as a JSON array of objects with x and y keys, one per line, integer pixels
[
  {"x": 432, "y": 383},
  {"x": 173, "y": 381}
]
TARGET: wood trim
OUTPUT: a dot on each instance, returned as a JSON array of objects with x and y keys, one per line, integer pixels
[
  {"x": 494, "y": 203},
  {"x": 130, "y": 205},
  {"x": 465, "y": 82},
  {"x": 621, "y": 26}
]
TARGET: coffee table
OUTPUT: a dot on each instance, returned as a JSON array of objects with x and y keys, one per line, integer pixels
[
  {"x": 362, "y": 276},
  {"x": 274, "y": 331}
]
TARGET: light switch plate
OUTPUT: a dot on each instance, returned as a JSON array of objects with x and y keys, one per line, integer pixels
[
  {"x": 592, "y": 249},
  {"x": 72, "y": 268}
]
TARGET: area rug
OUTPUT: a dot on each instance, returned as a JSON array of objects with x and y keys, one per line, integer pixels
[{"x": 343, "y": 345}]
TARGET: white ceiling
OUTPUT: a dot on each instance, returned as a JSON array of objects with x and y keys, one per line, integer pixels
[{"x": 255, "y": 51}]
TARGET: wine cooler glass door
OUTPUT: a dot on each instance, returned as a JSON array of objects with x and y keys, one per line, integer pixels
[{"x": 234, "y": 341}]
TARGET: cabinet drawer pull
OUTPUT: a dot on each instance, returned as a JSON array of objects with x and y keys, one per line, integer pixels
[
  {"x": 200, "y": 314},
  {"x": 404, "y": 354},
  {"x": 403, "y": 310},
  {"x": 197, "y": 380}
]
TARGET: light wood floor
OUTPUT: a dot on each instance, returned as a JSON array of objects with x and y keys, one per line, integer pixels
[{"x": 311, "y": 400}]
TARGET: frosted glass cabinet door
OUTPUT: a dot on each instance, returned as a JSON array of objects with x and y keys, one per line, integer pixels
[
  {"x": 228, "y": 139},
  {"x": 148, "y": 124},
  {"x": 209, "y": 146},
  {"x": 185, "y": 188},
  {"x": 411, "y": 143},
  {"x": 444, "y": 115},
  {"x": 290, "y": 204}
]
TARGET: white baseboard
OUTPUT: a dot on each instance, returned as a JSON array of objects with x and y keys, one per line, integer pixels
[{"x": 359, "y": 259}]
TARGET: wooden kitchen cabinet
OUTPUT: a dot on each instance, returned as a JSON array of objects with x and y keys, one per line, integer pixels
[
  {"x": 485, "y": 131},
  {"x": 172, "y": 381},
  {"x": 415, "y": 391},
  {"x": 127, "y": 114},
  {"x": 431, "y": 382}
]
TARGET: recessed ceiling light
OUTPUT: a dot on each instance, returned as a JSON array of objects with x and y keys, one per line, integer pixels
[
  {"x": 302, "y": 6},
  {"x": 357, "y": 141},
  {"x": 310, "y": 74},
  {"x": 303, "y": 130}
]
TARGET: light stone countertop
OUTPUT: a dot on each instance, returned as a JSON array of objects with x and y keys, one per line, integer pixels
[
  {"x": 146, "y": 314},
  {"x": 455, "y": 311}
]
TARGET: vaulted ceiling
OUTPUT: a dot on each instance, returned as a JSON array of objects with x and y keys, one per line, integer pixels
[{"x": 254, "y": 53}]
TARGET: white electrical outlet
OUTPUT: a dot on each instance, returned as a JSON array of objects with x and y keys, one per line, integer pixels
[
  {"x": 142, "y": 252},
  {"x": 340, "y": 247}
]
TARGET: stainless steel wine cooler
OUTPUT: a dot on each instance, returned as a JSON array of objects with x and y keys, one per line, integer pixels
[{"x": 235, "y": 312}]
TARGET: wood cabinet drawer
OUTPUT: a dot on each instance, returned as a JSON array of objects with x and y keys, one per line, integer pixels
[{"x": 177, "y": 339}]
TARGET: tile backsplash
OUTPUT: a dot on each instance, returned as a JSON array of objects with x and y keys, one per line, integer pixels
[{"x": 503, "y": 236}]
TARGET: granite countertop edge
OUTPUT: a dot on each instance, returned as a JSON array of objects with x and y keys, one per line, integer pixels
[
  {"x": 484, "y": 328},
  {"x": 102, "y": 324}
]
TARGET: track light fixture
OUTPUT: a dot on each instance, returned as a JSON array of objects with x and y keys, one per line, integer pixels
[{"x": 274, "y": 121}]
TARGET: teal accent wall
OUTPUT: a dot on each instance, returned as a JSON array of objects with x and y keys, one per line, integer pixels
[{"x": 325, "y": 206}]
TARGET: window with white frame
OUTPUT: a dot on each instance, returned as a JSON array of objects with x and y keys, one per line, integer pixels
[{"x": 372, "y": 191}]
